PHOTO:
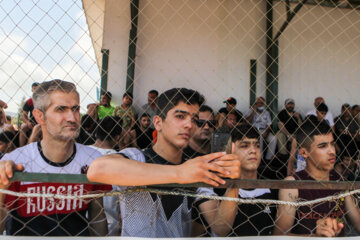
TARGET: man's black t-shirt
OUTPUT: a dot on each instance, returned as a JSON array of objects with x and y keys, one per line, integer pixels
[
  {"x": 143, "y": 138},
  {"x": 290, "y": 122},
  {"x": 253, "y": 219}
]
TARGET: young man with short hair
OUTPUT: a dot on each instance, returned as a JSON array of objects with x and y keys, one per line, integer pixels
[
  {"x": 200, "y": 142},
  {"x": 151, "y": 106},
  {"x": 244, "y": 219},
  {"x": 57, "y": 110},
  {"x": 141, "y": 134},
  {"x": 317, "y": 146},
  {"x": 146, "y": 214}
]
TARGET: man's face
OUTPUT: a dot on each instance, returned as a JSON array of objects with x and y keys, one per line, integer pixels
[
  {"x": 152, "y": 98},
  {"x": 318, "y": 100},
  {"x": 230, "y": 107},
  {"x": 62, "y": 118},
  {"x": 248, "y": 150},
  {"x": 260, "y": 102},
  {"x": 104, "y": 100},
  {"x": 127, "y": 100},
  {"x": 356, "y": 112},
  {"x": 145, "y": 122},
  {"x": 320, "y": 115},
  {"x": 34, "y": 88},
  {"x": 3, "y": 147},
  {"x": 204, "y": 132},
  {"x": 347, "y": 111},
  {"x": 231, "y": 120},
  {"x": 178, "y": 125},
  {"x": 321, "y": 153},
  {"x": 290, "y": 107}
]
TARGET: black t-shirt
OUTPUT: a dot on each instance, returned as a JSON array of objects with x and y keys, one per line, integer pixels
[
  {"x": 189, "y": 153},
  {"x": 290, "y": 122},
  {"x": 143, "y": 139},
  {"x": 253, "y": 219}
]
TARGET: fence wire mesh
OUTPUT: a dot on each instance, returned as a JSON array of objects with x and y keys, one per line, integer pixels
[{"x": 277, "y": 84}]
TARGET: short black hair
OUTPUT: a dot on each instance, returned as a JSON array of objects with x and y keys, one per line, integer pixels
[
  {"x": 206, "y": 108},
  {"x": 354, "y": 107},
  {"x": 244, "y": 131},
  {"x": 6, "y": 136},
  {"x": 154, "y": 91},
  {"x": 145, "y": 115},
  {"x": 310, "y": 128},
  {"x": 87, "y": 121},
  {"x": 170, "y": 98},
  {"x": 108, "y": 128},
  {"x": 35, "y": 84},
  {"x": 107, "y": 94},
  {"x": 129, "y": 94},
  {"x": 322, "y": 107}
]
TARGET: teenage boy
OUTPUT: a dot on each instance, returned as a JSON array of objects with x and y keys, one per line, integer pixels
[
  {"x": 147, "y": 214},
  {"x": 317, "y": 146},
  {"x": 57, "y": 110},
  {"x": 244, "y": 219}
]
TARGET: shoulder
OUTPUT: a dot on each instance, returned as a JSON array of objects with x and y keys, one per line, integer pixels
[
  {"x": 87, "y": 152},
  {"x": 133, "y": 153},
  {"x": 22, "y": 154}
]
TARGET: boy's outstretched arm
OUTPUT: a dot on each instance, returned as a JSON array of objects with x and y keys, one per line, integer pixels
[{"x": 118, "y": 170}]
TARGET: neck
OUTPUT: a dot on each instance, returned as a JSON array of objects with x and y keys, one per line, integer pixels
[
  {"x": 248, "y": 174},
  {"x": 201, "y": 147},
  {"x": 124, "y": 105},
  {"x": 168, "y": 151},
  {"x": 152, "y": 106},
  {"x": 57, "y": 151},
  {"x": 317, "y": 174},
  {"x": 103, "y": 144}
]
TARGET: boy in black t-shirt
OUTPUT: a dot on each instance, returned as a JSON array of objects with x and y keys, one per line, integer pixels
[
  {"x": 245, "y": 219},
  {"x": 151, "y": 215}
]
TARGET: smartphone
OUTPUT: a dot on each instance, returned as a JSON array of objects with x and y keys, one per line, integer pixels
[{"x": 219, "y": 142}]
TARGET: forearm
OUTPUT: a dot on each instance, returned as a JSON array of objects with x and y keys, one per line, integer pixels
[
  {"x": 3, "y": 213},
  {"x": 116, "y": 170},
  {"x": 97, "y": 218},
  {"x": 249, "y": 118},
  {"x": 225, "y": 214}
]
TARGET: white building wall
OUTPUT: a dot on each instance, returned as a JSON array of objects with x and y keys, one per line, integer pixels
[
  {"x": 204, "y": 45},
  {"x": 319, "y": 56},
  {"x": 207, "y": 46}
]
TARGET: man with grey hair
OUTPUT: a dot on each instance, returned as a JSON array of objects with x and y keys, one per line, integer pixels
[{"x": 57, "y": 110}]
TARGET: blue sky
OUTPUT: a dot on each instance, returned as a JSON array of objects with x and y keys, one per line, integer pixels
[{"x": 43, "y": 40}]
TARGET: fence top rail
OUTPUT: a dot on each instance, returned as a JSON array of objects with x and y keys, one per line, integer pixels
[{"x": 233, "y": 183}]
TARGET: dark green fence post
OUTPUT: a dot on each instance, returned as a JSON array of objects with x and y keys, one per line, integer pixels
[
  {"x": 134, "y": 11},
  {"x": 104, "y": 70}
]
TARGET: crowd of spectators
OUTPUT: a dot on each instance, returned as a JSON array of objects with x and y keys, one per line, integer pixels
[{"x": 275, "y": 152}]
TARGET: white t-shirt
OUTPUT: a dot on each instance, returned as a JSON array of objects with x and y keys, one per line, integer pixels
[{"x": 41, "y": 216}]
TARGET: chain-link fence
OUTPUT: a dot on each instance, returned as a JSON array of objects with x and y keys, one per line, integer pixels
[{"x": 287, "y": 68}]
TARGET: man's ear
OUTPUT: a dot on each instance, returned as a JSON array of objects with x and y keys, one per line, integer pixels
[
  {"x": 39, "y": 116},
  {"x": 304, "y": 152},
  {"x": 157, "y": 121},
  {"x": 232, "y": 147}
]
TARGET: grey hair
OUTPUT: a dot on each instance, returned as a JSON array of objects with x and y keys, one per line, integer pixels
[{"x": 41, "y": 95}]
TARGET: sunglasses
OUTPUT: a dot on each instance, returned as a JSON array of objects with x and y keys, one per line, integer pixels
[{"x": 202, "y": 123}]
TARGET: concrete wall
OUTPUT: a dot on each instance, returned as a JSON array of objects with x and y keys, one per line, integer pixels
[
  {"x": 320, "y": 56},
  {"x": 208, "y": 46}
]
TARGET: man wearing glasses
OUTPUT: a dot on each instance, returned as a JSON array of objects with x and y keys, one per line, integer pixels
[{"x": 200, "y": 143}]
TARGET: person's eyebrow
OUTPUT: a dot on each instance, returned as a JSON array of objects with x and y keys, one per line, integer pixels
[
  {"x": 182, "y": 111},
  {"x": 323, "y": 143}
]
